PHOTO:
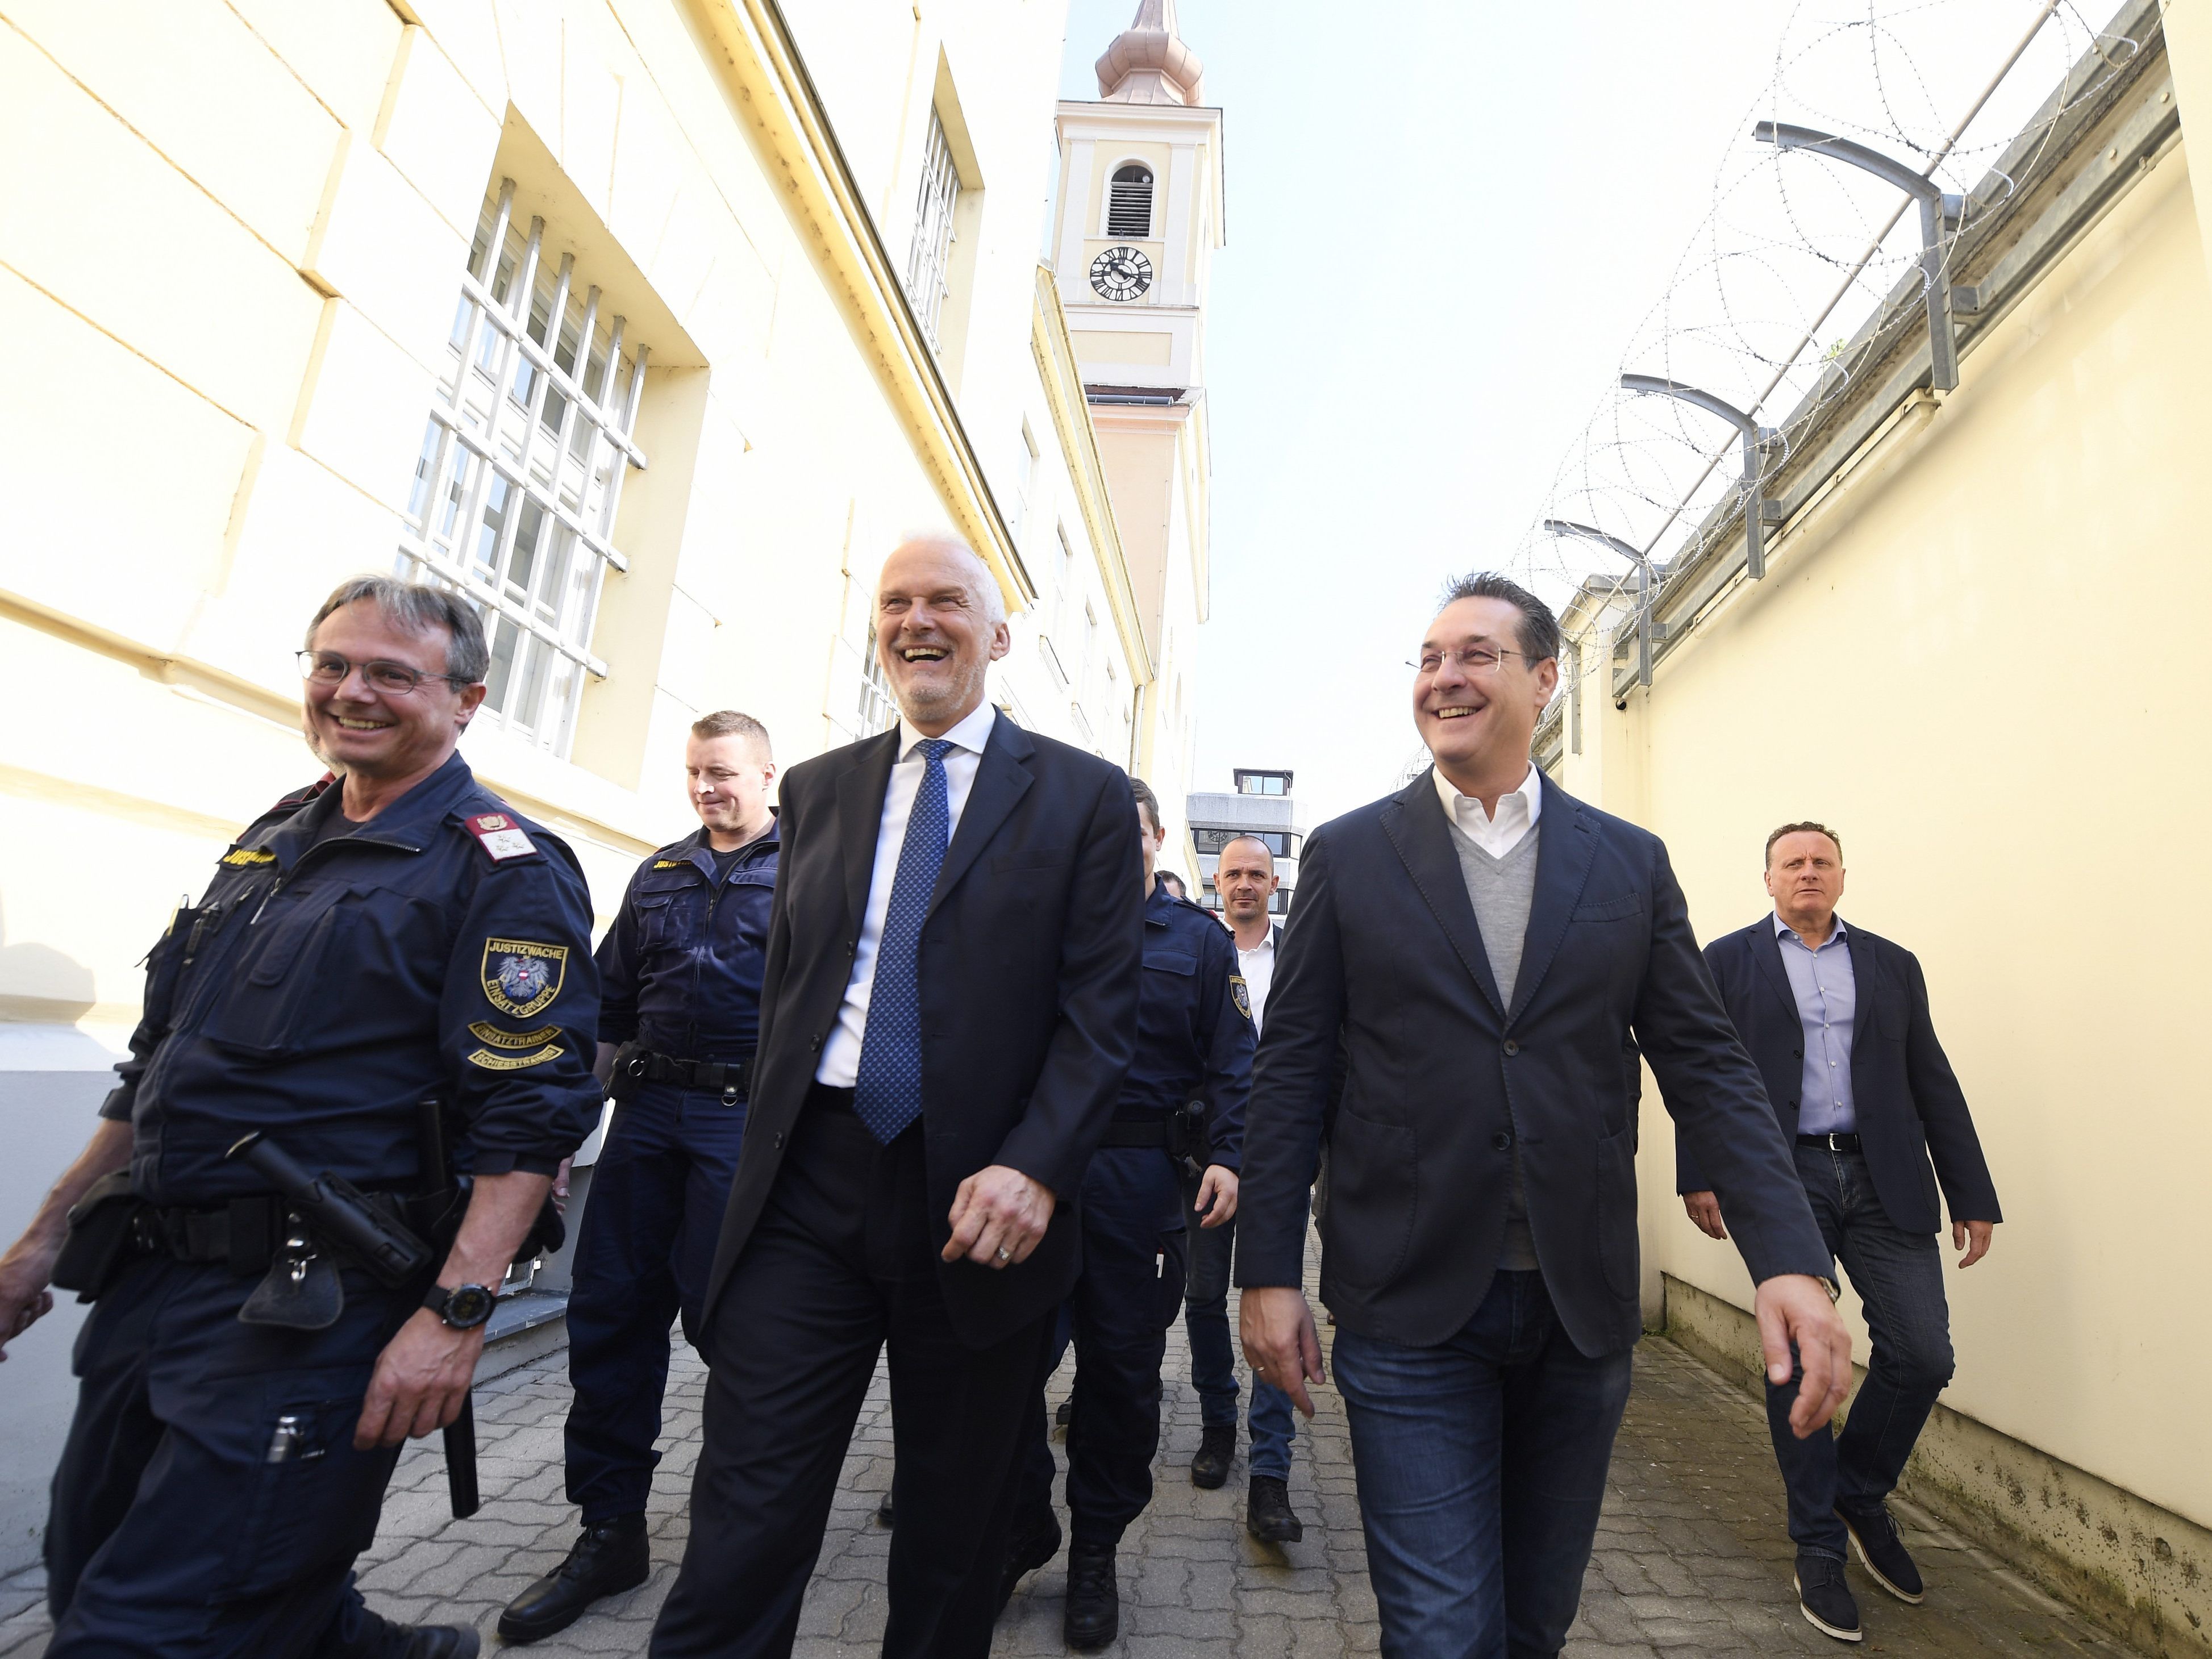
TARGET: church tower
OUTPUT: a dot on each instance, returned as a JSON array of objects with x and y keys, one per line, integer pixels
[{"x": 1139, "y": 217}]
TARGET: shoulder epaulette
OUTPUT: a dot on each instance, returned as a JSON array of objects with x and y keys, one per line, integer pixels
[{"x": 502, "y": 839}]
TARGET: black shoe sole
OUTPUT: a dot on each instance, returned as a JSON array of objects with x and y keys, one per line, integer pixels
[
  {"x": 519, "y": 1633},
  {"x": 1876, "y": 1573},
  {"x": 1820, "y": 1623},
  {"x": 1289, "y": 1531},
  {"x": 1213, "y": 1480},
  {"x": 1092, "y": 1644}
]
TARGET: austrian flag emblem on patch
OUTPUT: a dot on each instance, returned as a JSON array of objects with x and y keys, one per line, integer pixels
[{"x": 520, "y": 975}]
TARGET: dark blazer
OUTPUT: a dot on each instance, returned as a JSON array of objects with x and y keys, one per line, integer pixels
[
  {"x": 1029, "y": 977},
  {"x": 1441, "y": 1079},
  {"x": 1906, "y": 1097}
]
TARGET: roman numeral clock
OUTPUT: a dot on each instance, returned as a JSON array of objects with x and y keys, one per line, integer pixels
[{"x": 1121, "y": 273}]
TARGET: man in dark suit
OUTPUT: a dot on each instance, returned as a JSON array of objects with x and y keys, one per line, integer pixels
[
  {"x": 949, "y": 1005},
  {"x": 1493, "y": 956},
  {"x": 1836, "y": 1019}
]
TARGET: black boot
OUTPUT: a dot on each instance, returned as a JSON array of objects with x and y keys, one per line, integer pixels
[
  {"x": 1031, "y": 1546},
  {"x": 1093, "y": 1617},
  {"x": 1267, "y": 1514},
  {"x": 441, "y": 1642},
  {"x": 1216, "y": 1451},
  {"x": 886, "y": 1516},
  {"x": 612, "y": 1556}
]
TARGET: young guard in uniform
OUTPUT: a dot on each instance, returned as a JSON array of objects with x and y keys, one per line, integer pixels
[
  {"x": 1194, "y": 1041},
  {"x": 681, "y": 969}
]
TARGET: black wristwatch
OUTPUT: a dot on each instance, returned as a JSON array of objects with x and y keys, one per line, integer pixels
[{"x": 465, "y": 1307}]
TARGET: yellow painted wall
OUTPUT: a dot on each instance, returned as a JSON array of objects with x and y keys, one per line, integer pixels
[{"x": 1977, "y": 662}]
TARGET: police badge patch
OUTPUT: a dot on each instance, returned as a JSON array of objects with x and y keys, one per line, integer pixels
[
  {"x": 520, "y": 975},
  {"x": 1240, "y": 994}
]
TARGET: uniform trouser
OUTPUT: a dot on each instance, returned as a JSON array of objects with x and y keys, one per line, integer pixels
[
  {"x": 1900, "y": 1279},
  {"x": 840, "y": 1263},
  {"x": 171, "y": 1534},
  {"x": 1213, "y": 1351},
  {"x": 643, "y": 1256},
  {"x": 1133, "y": 1255}
]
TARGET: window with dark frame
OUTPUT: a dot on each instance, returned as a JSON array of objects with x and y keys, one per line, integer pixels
[{"x": 1129, "y": 203}]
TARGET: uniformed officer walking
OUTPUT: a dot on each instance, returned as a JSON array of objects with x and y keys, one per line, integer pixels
[
  {"x": 395, "y": 936},
  {"x": 680, "y": 973},
  {"x": 1193, "y": 1043}
]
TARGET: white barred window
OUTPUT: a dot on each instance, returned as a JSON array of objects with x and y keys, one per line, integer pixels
[
  {"x": 929, "y": 261},
  {"x": 522, "y": 467}
]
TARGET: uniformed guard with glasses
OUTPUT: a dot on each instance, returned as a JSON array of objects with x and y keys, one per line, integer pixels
[
  {"x": 681, "y": 970},
  {"x": 395, "y": 936}
]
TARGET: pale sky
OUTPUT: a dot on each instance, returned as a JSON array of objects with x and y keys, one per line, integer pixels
[{"x": 1449, "y": 222}]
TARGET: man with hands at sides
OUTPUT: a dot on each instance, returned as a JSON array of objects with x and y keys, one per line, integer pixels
[
  {"x": 1837, "y": 1018},
  {"x": 947, "y": 1010},
  {"x": 1493, "y": 957}
]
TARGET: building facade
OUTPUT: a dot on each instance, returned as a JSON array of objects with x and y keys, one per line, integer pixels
[
  {"x": 651, "y": 325},
  {"x": 1260, "y": 806}
]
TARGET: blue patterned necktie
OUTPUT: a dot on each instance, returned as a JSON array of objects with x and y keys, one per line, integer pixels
[{"x": 887, "y": 1094}]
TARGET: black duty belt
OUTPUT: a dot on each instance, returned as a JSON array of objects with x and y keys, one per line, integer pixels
[
  {"x": 1834, "y": 1143},
  {"x": 244, "y": 1234},
  {"x": 732, "y": 1078},
  {"x": 1137, "y": 1132}
]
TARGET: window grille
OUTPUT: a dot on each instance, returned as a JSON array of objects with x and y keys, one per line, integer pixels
[
  {"x": 522, "y": 464},
  {"x": 1129, "y": 203},
  {"x": 929, "y": 262}
]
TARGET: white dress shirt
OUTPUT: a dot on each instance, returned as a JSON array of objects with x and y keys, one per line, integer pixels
[
  {"x": 841, "y": 1055},
  {"x": 1257, "y": 967},
  {"x": 1516, "y": 813}
]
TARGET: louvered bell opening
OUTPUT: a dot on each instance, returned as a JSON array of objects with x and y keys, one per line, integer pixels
[{"x": 1129, "y": 203}]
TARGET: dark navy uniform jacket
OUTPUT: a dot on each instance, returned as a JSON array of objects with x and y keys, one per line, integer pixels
[
  {"x": 325, "y": 987},
  {"x": 680, "y": 971},
  {"x": 1194, "y": 1030}
]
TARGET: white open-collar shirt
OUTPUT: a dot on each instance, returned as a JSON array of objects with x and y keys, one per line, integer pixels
[
  {"x": 1517, "y": 812},
  {"x": 841, "y": 1055}
]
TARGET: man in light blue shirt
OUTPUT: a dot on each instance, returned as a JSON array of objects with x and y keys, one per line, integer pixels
[{"x": 1827, "y": 995}]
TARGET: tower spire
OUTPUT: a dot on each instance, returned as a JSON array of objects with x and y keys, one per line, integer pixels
[{"x": 1148, "y": 63}]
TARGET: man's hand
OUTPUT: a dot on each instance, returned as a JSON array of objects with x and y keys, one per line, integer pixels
[
  {"x": 1218, "y": 1190},
  {"x": 1972, "y": 1236},
  {"x": 560, "y": 1185},
  {"x": 421, "y": 1377},
  {"x": 1705, "y": 1210},
  {"x": 1281, "y": 1344},
  {"x": 1794, "y": 1308},
  {"x": 24, "y": 1297},
  {"x": 998, "y": 1215}
]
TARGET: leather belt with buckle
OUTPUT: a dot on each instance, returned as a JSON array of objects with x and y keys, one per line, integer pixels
[{"x": 1834, "y": 1143}]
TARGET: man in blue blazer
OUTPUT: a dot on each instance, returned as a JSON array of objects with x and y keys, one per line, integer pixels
[
  {"x": 1837, "y": 1018},
  {"x": 1495, "y": 958}
]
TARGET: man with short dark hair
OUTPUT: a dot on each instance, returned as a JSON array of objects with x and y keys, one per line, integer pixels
[
  {"x": 679, "y": 1014},
  {"x": 1173, "y": 884},
  {"x": 1244, "y": 876},
  {"x": 1837, "y": 1018},
  {"x": 391, "y": 935},
  {"x": 1489, "y": 956}
]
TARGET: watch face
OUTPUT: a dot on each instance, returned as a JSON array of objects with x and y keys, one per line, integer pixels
[
  {"x": 469, "y": 1306},
  {"x": 1121, "y": 273}
]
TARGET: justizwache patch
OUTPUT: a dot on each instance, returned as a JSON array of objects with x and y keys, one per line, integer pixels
[
  {"x": 485, "y": 1031},
  {"x": 245, "y": 855},
  {"x": 492, "y": 1062},
  {"x": 520, "y": 975},
  {"x": 670, "y": 864},
  {"x": 1240, "y": 994}
]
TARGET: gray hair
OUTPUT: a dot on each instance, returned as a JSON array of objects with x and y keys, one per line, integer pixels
[
  {"x": 419, "y": 608},
  {"x": 984, "y": 588},
  {"x": 1538, "y": 629}
]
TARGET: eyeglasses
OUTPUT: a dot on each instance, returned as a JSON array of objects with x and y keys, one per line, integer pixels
[
  {"x": 328, "y": 668},
  {"x": 1471, "y": 659}
]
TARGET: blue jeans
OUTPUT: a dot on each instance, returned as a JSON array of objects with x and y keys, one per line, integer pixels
[
  {"x": 1481, "y": 1465},
  {"x": 1900, "y": 1279},
  {"x": 1212, "y": 1354},
  {"x": 643, "y": 1253}
]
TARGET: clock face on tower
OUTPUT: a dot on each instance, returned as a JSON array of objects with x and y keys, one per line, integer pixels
[{"x": 1121, "y": 273}]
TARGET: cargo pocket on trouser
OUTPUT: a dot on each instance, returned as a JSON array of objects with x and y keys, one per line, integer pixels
[
  {"x": 1174, "y": 1265},
  {"x": 315, "y": 1499}
]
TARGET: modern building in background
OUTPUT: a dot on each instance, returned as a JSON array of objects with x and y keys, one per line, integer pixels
[
  {"x": 1139, "y": 216},
  {"x": 651, "y": 325},
  {"x": 1260, "y": 806}
]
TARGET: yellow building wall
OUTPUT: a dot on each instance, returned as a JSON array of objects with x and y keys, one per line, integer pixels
[{"x": 1974, "y": 662}]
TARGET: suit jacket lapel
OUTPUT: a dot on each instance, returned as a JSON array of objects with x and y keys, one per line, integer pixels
[
  {"x": 1766, "y": 951},
  {"x": 1415, "y": 823},
  {"x": 860, "y": 817},
  {"x": 1001, "y": 780},
  {"x": 1865, "y": 986},
  {"x": 1566, "y": 845}
]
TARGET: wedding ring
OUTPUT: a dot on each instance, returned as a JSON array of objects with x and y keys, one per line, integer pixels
[{"x": 1004, "y": 1254}]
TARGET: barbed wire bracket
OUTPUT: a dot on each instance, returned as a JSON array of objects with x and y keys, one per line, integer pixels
[{"x": 1757, "y": 510}]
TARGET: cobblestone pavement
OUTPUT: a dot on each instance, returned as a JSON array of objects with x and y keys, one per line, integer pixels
[{"x": 1692, "y": 1556}]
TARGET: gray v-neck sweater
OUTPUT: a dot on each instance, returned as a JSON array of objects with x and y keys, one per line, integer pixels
[{"x": 1502, "y": 891}]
